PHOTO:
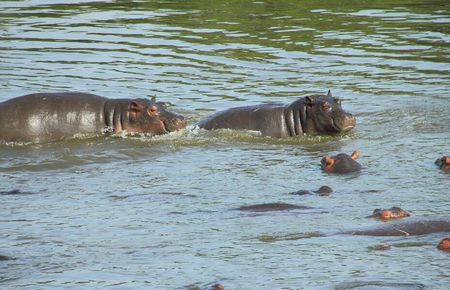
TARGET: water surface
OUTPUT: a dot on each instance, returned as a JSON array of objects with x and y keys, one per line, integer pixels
[{"x": 159, "y": 213}]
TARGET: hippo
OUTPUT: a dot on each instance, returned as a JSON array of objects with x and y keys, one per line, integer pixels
[
  {"x": 314, "y": 114},
  {"x": 277, "y": 206},
  {"x": 373, "y": 285},
  {"x": 213, "y": 286},
  {"x": 443, "y": 163},
  {"x": 45, "y": 117},
  {"x": 322, "y": 191},
  {"x": 412, "y": 228},
  {"x": 341, "y": 163},
  {"x": 444, "y": 244},
  {"x": 388, "y": 214}
]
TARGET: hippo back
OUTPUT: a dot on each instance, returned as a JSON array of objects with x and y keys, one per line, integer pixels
[
  {"x": 266, "y": 118},
  {"x": 51, "y": 116}
]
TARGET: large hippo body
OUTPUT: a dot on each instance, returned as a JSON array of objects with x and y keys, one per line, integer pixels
[
  {"x": 410, "y": 228},
  {"x": 315, "y": 114},
  {"x": 52, "y": 116}
]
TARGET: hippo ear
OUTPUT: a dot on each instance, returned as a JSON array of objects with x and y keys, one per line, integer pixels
[
  {"x": 309, "y": 100},
  {"x": 446, "y": 160},
  {"x": 355, "y": 155},
  {"x": 329, "y": 94},
  {"x": 327, "y": 161},
  {"x": 152, "y": 98}
]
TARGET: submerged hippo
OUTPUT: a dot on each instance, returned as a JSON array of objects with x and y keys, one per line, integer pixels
[
  {"x": 52, "y": 116},
  {"x": 315, "y": 114},
  {"x": 388, "y": 214},
  {"x": 341, "y": 163},
  {"x": 277, "y": 206},
  {"x": 443, "y": 163},
  {"x": 322, "y": 191},
  {"x": 380, "y": 285},
  {"x": 412, "y": 228}
]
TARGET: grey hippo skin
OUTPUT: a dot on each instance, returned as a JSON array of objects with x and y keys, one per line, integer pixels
[
  {"x": 379, "y": 285},
  {"x": 45, "y": 117},
  {"x": 412, "y": 228},
  {"x": 341, "y": 163},
  {"x": 315, "y": 114}
]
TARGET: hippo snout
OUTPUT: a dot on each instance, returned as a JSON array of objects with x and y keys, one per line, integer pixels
[
  {"x": 349, "y": 122},
  {"x": 175, "y": 123}
]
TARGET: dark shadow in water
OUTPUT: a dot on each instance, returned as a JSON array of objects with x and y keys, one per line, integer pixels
[
  {"x": 5, "y": 258},
  {"x": 16, "y": 192}
]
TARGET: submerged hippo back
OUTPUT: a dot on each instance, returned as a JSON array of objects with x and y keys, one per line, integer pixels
[
  {"x": 51, "y": 116},
  {"x": 413, "y": 228}
]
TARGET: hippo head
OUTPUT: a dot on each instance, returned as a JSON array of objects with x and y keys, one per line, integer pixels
[
  {"x": 388, "y": 214},
  {"x": 443, "y": 163},
  {"x": 444, "y": 245},
  {"x": 323, "y": 114},
  {"x": 149, "y": 116},
  {"x": 341, "y": 163}
]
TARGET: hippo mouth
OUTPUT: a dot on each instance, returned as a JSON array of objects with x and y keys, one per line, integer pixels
[
  {"x": 164, "y": 126},
  {"x": 172, "y": 125},
  {"x": 341, "y": 128},
  {"x": 348, "y": 128}
]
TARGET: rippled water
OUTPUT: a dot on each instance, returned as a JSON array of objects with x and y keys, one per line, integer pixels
[{"x": 159, "y": 213}]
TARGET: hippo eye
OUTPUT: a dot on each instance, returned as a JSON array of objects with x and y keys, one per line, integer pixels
[
  {"x": 326, "y": 107},
  {"x": 338, "y": 101}
]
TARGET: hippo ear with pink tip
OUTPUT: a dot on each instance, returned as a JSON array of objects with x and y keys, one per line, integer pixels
[
  {"x": 446, "y": 160},
  {"x": 327, "y": 162},
  {"x": 355, "y": 155}
]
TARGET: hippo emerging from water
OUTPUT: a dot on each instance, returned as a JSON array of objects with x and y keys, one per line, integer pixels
[
  {"x": 444, "y": 245},
  {"x": 315, "y": 114},
  {"x": 341, "y": 163},
  {"x": 388, "y": 214},
  {"x": 51, "y": 116}
]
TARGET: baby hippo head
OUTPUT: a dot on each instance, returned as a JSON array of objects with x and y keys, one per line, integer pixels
[
  {"x": 323, "y": 114},
  {"x": 341, "y": 163},
  {"x": 388, "y": 214}
]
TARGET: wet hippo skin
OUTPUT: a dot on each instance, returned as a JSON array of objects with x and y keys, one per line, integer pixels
[
  {"x": 277, "y": 206},
  {"x": 389, "y": 214},
  {"x": 341, "y": 163},
  {"x": 315, "y": 114},
  {"x": 444, "y": 245},
  {"x": 411, "y": 228},
  {"x": 47, "y": 117}
]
